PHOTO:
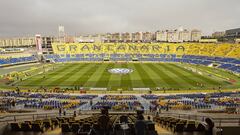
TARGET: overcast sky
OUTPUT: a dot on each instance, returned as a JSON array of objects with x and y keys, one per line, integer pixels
[{"x": 28, "y": 17}]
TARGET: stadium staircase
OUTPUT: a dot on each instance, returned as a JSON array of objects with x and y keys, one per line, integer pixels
[
  {"x": 88, "y": 106},
  {"x": 145, "y": 103},
  {"x": 85, "y": 107}
]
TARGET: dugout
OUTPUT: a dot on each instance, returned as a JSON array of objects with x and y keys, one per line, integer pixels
[{"x": 134, "y": 59}]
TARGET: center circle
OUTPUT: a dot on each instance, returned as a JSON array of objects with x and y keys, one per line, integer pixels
[{"x": 120, "y": 70}]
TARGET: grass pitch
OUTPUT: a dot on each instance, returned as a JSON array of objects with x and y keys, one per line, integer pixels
[{"x": 144, "y": 75}]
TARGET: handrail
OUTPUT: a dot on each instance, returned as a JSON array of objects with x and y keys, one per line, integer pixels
[
  {"x": 18, "y": 117},
  {"x": 220, "y": 121},
  {"x": 34, "y": 116}
]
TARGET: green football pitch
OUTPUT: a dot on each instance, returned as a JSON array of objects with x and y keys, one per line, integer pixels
[{"x": 144, "y": 75}]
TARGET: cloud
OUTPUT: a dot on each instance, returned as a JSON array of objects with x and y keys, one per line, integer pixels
[{"x": 28, "y": 17}]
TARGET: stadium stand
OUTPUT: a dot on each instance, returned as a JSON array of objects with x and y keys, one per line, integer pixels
[
  {"x": 193, "y": 53},
  {"x": 91, "y": 125},
  {"x": 45, "y": 96},
  {"x": 119, "y": 97},
  {"x": 194, "y": 101},
  {"x": 124, "y": 121},
  {"x": 19, "y": 60},
  {"x": 128, "y": 122},
  {"x": 181, "y": 125},
  {"x": 50, "y": 104},
  {"x": 123, "y": 105}
]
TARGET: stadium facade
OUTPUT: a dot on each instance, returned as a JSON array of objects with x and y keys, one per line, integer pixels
[{"x": 232, "y": 35}]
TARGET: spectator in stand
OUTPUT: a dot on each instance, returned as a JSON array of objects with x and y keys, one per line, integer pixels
[
  {"x": 167, "y": 108},
  {"x": 148, "y": 120},
  {"x": 79, "y": 111},
  {"x": 91, "y": 102},
  {"x": 60, "y": 111},
  {"x": 140, "y": 125},
  {"x": 103, "y": 122},
  {"x": 64, "y": 112},
  {"x": 210, "y": 124},
  {"x": 13, "y": 103},
  {"x": 74, "y": 114},
  {"x": 159, "y": 109}
]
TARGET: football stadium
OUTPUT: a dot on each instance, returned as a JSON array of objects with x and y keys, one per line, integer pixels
[
  {"x": 120, "y": 67},
  {"x": 107, "y": 88},
  {"x": 127, "y": 67}
]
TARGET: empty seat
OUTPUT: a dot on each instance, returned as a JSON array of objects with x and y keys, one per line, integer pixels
[
  {"x": 172, "y": 123},
  {"x": 200, "y": 127},
  {"x": 28, "y": 122},
  {"x": 131, "y": 128},
  {"x": 75, "y": 127},
  {"x": 150, "y": 126},
  {"x": 179, "y": 127},
  {"x": 62, "y": 120},
  {"x": 96, "y": 126},
  {"x": 37, "y": 121},
  {"x": 123, "y": 119},
  {"x": 117, "y": 126},
  {"x": 86, "y": 127},
  {"x": 55, "y": 121},
  {"x": 47, "y": 124},
  {"x": 37, "y": 127},
  {"x": 25, "y": 127},
  {"x": 80, "y": 123},
  {"x": 190, "y": 127},
  {"x": 15, "y": 126},
  {"x": 65, "y": 127}
]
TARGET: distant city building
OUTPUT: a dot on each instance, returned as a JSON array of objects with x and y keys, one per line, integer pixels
[
  {"x": 116, "y": 37},
  {"x": 61, "y": 34},
  {"x": 69, "y": 39},
  {"x": 173, "y": 36},
  {"x": 218, "y": 34},
  {"x": 137, "y": 37},
  {"x": 161, "y": 36},
  {"x": 90, "y": 38},
  {"x": 147, "y": 36},
  {"x": 84, "y": 39},
  {"x": 126, "y": 37},
  {"x": 17, "y": 42},
  {"x": 107, "y": 37},
  {"x": 195, "y": 35},
  {"x": 178, "y": 35},
  {"x": 184, "y": 36}
]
